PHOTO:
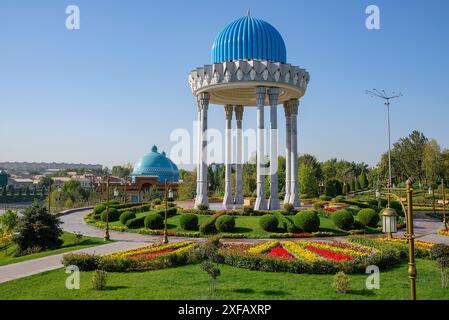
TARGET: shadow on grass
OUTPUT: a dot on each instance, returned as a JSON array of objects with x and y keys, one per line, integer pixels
[
  {"x": 242, "y": 230},
  {"x": 115, "y": 288},
  {"x": 363, "y": 292},
  {"x": 274, "y": 293},
  {"x": 245, "y": 290}
]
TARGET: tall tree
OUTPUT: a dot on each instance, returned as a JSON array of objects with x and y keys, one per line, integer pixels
[
  {"x": 307, "y": 180},
  {"x": 432, "y": 161}
]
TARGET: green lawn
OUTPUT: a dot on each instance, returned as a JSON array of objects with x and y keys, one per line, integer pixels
[
  {"x": 7, "y": 257},
  {"x": 189, "y": 282},
  {"x": 248, "y": 225}
]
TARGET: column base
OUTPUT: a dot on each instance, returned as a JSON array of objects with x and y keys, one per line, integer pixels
[
  {"x": 201, "y": 200},
  {"x": 239, "y": 200},
  {"x": 261, "y": 204},
  {"x": 228, "y": 202},
  {"x": 294, "y": 200},
  {"x": 274, "y": 204},
  {"x": 286, "y": 198}
]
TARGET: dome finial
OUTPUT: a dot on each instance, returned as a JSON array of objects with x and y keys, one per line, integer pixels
[
  {"x": 248, "y": 13},
  {"x": 154, "y": 148}
]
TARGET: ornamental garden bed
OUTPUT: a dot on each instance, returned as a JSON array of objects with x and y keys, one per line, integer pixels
[{"x": 245, "y": 227}]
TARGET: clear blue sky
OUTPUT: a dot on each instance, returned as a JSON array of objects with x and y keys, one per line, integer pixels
[{"x": 107, "y": 92}]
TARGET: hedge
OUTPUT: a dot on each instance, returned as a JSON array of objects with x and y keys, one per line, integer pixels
[
  {"x": 208, "y": 226},
  {"x": 154, "y": 221},
  {"x": 285, "y": 223},
  {"x": 225, "y": 223},
  {"x": 269, "y": 222},
  {"x": 127, "y": 215},
  {"x": 343, "y": 219},
  {"x": 113, "y": 215},
  {"x": 307, "y": 221},
  {"x": 368, "y": 217},
  {"x": 136, "y": 223},
  {"x": 189, "y": 221}
]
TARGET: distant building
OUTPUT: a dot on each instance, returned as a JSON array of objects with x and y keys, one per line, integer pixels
[{"x": 3, "y": 178}]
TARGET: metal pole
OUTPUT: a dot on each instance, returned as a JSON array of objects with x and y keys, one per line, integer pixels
[
  {"x": 106, "y": 233},
  {"x": 165, "y": 216},
  {"x": 389, "y": 151},
  {"x": 411, "y": 241},
  {"x": 444, "y": 204}
]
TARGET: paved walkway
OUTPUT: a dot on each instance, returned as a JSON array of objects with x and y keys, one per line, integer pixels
[{"x": 30, "y": 267}]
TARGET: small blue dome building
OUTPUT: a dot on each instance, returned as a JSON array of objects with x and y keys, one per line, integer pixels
[
  {"x": 156, "y": 164},
  {"x": 249, "y": 38}
]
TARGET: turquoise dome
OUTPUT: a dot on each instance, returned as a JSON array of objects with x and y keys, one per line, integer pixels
[
  {"x": 249, "y": 38},
  {"x": 156, "y": 164}
]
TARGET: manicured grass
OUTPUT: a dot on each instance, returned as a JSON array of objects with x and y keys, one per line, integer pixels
[
  {"x": 69, "y": 244},
  {"x": 190, "y": 282}
]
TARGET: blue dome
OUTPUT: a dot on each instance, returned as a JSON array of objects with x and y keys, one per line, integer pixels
[
  {"x": 249, "y": 38},
  {"x": 156, "y": 164}
]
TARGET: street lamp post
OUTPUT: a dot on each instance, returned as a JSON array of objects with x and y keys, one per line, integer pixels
[
  {"x": 444, "y": 203},
  {"x": 106, "y": 232},
  {"x": 165, "y": 215},
  {"x": 411, "y": 239},
  {"x": 382, "y": 95}
]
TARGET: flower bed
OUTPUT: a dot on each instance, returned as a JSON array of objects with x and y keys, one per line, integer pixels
[
  {"x": 443, "y": 232},
  {"x": 154, "y": 250},
  {"x": 308, "y": 256}
]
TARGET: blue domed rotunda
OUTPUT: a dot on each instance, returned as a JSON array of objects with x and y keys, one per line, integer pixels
[
  {"x": 156, "y": 164},
  {"x": 249, "y": 68}
]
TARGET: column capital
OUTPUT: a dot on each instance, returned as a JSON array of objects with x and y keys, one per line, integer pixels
[
  {"x": 203, "y": 100},
  {"x": 228, "y": 111},
  {"x": 238, "y": 112},
  {"x": 273, "y": 95},
  {"x": 294, "y": 104},
  {"x": 260, "y": 96},
  {"x": 287, "y": 109}
]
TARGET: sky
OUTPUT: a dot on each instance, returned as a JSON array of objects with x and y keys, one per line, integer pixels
[{"x": 107, "y": 92}]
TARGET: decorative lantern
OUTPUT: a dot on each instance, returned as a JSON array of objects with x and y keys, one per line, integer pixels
[
  {"x": 170, "y": 193},
  {"x": 377, "y": 194},
  {"x": 389, "y": 221}
]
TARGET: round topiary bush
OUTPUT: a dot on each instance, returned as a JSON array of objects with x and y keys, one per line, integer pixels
[
  {"x": 343, "y": 219},
  {"x": 325, "y": 198},
  {"x": 339, "y": 198},
  {"x": 248, "y": 211},
  {"x": 307, "y": 221},
  {"x": 383, "y": 203},
  {"x": 127, "y": 215},
  {"x": 154, "y": 221},
  {"x": 98, "y": 209},
  {"x": 189, "y": 221},
  {"x": 368, "y": 217},
  {"x": 269, "y": 222},
  {"x": 397, "y": 207},
  {"x": 289, "y": 208},
  {"x": 114, "y": 215},
  {"x": 225, "y": 223}
]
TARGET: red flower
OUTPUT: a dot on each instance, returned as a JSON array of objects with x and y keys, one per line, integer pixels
[
  {"x": 329, "y": 254},
  {"x": 280, "y": 252}
]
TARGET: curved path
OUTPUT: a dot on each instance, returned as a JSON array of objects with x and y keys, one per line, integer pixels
[{"x": 425, "y": 229}]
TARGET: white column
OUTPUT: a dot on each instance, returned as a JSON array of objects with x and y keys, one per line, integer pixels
[
  {"x": 261, "y": 203},
  {"x": 288, "y": 139},
  {"x": 198, "y": 151},
  {"x": 294, "y": 196},
  {"x": 201, "y": 197},
  {"x": 228, "y": 202},
  {"x": 239, "y": 159},
  {"x": 273, "y": 202}
]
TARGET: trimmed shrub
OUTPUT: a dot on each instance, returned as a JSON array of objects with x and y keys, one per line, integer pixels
[
  {"x": 325, "y": 198},
  {"x": 307, "y": 221},
  {"x": 383, "y": 203},
  {"x": 202, "y": 207},
  {"x": 397, "y": 206},
  {"x": 114, "y": 215},
  {"x": 98, "y": 209},
  {"x": 189, "y": 221},
  {"x": 135, "y": 223},
  {"x": 285, "y": 223},
  {"x": 353, "y": 209},
  {"x": 248, "y": 211},
  {"x": 318, "y": 205},
  {"x": 343, "y": 219},
  {"x": 225, "y": 223},
  {"x": 170, "y": 212},
  {"x": 289, "y": 208},
  {"x": 154, "y": 221},
  {"x": 269, "y": 222},
  {"x": 208, "y": 226},
  {"x": 127, "y": 215},
  {"x": 99, "y": 279},
  {"x": 339, "y": 198},
  {"x": 368, "y": 217}
]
